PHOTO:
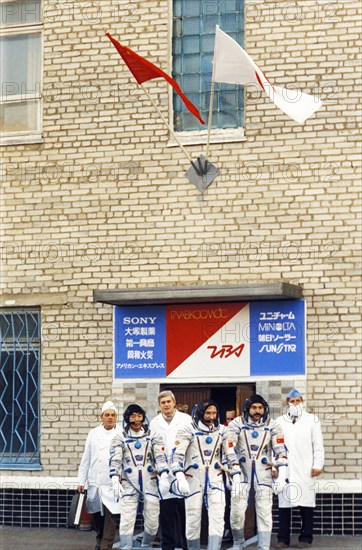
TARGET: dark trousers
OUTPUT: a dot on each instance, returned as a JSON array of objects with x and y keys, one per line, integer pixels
[
  {"x": 306, "y": 533},
  {"x": 105, "y": 527},
  {"x": 173, "y": 523}
]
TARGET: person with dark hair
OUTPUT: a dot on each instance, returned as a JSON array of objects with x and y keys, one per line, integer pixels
[
  {"x": 197, "y": 466},
  {"x": 139, "y": 472},
  {"x": 93, "y": 473},
  {"x": 172, "y": 506},
  {"x": 304, "y": 441},
  {"x": 252, "y": 443}
]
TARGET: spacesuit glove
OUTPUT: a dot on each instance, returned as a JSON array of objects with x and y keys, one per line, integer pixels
[
  {"x": 182, "y": 484},
  {"x": 163, "y": 484},
  {"x": 116, "y": 488},
  {"x": 236, "y": 486},
  {"x": 279, "y": 482}
]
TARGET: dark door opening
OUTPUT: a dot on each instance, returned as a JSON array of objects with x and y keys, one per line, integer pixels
[{"x": 227, "y": 396}]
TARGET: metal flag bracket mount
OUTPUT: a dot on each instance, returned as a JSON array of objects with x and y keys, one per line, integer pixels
[{"x": 202, "y": 173}]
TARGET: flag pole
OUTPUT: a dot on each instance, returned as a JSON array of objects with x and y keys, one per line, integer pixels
[
  {"x": 210, "y": 117},
  {"x": 166, "y": 123}
]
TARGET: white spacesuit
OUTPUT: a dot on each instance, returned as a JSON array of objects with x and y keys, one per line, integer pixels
[
  {"x": 197, "y": 465},
  {"x": 254, "y": 447},
  {"x": 138, "y": 468}
]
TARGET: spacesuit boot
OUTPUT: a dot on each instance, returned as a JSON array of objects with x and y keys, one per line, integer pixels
[
  {"x": 239, "y": 539},
  {"x": 264, "y": 540},
  {"x": 193, "y": 544},
  {"x": 147, "y": 541},
  {"x": 214, "y": 542},
  {"x": 125, "y": 543}
]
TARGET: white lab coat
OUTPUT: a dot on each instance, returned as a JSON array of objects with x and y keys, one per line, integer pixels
[
  {"x": 168, "y": 431},
  {"x": 304, "y": 442},
  {"x": 94, "y": 470}
]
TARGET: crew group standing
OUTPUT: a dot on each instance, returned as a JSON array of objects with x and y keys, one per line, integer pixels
[{"x": 169, "y": 470}]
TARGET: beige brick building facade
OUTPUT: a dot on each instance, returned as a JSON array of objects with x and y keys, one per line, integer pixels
[{"x": 101, "y": 202}]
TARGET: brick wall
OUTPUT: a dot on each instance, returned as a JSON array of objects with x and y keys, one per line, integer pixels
[{"x": 103, "y": 203}]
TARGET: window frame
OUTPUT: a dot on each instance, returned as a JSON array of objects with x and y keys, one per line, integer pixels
[
  {"x": 31, "y": 136},
  {"x": 198, "y": 137},
  {"x": 11, "y": 458}
]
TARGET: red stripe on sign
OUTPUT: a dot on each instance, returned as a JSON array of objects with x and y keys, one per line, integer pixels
[{"x": 189, "y": 326}]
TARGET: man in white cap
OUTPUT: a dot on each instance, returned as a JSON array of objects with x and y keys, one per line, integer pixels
[
  {"x": 304, "y": 441},
  {"x": 94, "y": 473}
]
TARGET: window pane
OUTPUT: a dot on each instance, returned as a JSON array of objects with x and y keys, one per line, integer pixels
[
  {"x": 20, "y": 12},
  {"x": 20, "y": 377},
  {"x": 193, "y": 47},
  {"x": 20, "y": 117},
  {"x": 20, "y": 59}
]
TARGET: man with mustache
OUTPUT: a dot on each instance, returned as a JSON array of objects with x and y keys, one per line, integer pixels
[
  {"x": 93, "y": 472},
  {"x": 251, "y": 444},
  {"x": 197, "y": 466}
]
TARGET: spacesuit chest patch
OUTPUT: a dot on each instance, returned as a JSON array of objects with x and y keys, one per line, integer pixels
[{"x": 280, "y": 438}]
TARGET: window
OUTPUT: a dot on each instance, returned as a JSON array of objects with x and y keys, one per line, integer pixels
[
  {"x": 194, "y": 23},
  {"x": 21, "y": 66},
  {"x": 19, "y": 389}
]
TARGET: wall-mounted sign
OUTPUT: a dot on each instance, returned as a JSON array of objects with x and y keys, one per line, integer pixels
[{"x": 214, "y": 342}]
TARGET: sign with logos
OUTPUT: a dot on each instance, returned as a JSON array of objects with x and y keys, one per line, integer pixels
[{"x": 219, "y": 342}]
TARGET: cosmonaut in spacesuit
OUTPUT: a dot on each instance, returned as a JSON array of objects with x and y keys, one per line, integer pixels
[
  {"x": 139, "y": 472},
  {"x": 197, "y": 466},
  {"x": 255, "y": 452}
]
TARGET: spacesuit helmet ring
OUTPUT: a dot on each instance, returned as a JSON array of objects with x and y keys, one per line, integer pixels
[
  {"x": 198, "y": 413},
  {"x": 255, "y": 398}
]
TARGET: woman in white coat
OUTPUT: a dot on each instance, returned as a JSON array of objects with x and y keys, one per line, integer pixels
[
  {"x": 94, "y": 473},
  {"x": 304, "y": 442}
]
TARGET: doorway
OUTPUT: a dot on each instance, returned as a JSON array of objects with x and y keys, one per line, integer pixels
[{"x": 227, "y": 396}]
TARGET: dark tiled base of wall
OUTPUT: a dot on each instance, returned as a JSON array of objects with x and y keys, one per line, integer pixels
[
  {"x": 334, "y": 514},
  {"x": 34, "y": 507}
]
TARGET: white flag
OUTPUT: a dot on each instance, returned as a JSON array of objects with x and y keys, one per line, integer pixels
[{"x": 234, "y": 66}]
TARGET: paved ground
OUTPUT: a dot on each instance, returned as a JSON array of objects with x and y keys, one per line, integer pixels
[{"x": 21, "y": 538}]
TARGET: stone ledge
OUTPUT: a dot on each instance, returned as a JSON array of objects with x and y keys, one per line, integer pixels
[
  {"x": 195, "y": 294},
  {"x": 32, "y": 300}
]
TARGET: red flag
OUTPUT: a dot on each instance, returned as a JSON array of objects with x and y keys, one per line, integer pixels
[{"x": 144, "y": 70}]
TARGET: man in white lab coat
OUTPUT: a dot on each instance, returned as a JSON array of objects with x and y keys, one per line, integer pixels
[
  {"x": 94, "y": 473},
  {"x": 172, "y": 506},
  {"x": 304, "y": 442}
]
